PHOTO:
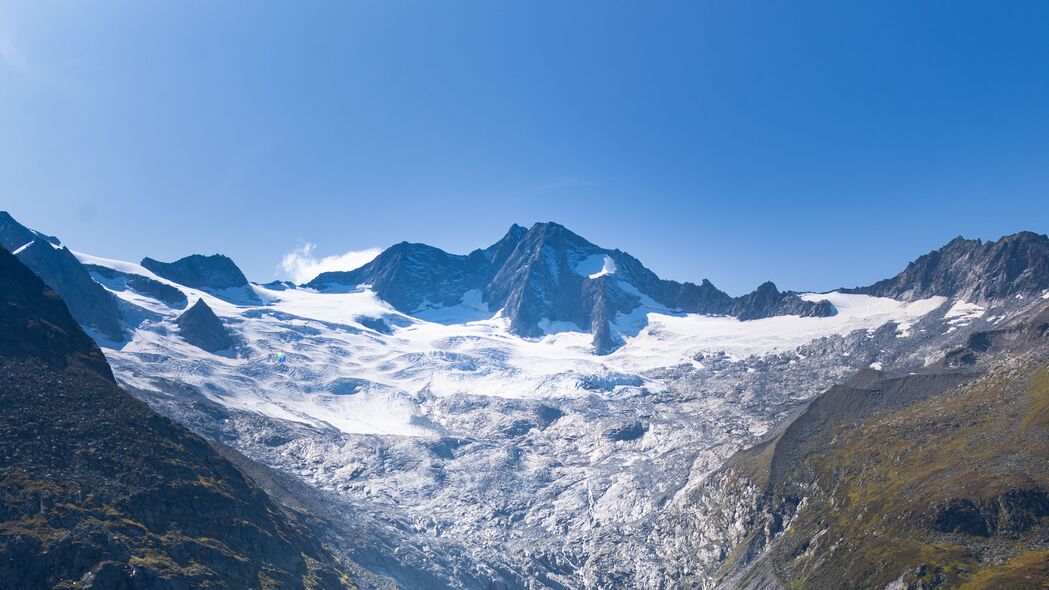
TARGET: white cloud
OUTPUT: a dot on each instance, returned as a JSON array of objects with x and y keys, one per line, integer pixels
[{"x": 301, "y": 266}]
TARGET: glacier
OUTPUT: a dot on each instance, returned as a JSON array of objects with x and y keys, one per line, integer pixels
[{"x": 480, "y": 458}]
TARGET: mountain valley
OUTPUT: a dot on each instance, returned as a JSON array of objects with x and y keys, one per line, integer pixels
[{"x": 547, "y": 413}]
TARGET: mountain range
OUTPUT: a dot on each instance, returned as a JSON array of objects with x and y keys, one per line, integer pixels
[
  {"x": 976, "y": 271},
  {"x": 548, "y": 274},
  {"x": 547, "y": 413},
  {"x": 541, "y": 277}
]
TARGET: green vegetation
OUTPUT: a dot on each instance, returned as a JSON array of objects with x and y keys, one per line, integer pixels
[
  {"x": 1027, "y": 570},
  {"x": 952, "y": 491},
  {"x": 1038, "y": 414}
]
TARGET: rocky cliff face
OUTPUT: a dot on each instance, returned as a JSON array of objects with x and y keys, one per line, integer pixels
[
  {"x": 548, "y": 274},
  {"x": 767, "y": 301},
  {"x": 412, "y": 277},
  {"x": 91, "y": 305},
  {"x": 100, "y": 492},
  {"x": 1015, "y": 265}
]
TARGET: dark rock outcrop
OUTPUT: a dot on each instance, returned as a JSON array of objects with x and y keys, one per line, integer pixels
[
  {"x": 543, "y": 274},
  {"x": 98, "y": 491},
  {"x": 279, "y": 285},
  {"x": 14, "y": 235},
  {"x": 199, "y": 272},
  {"x": 1011, "y": 512},
  {"x": 973, "y": 270},
  {"x": 200, "y": 327},
  {"x": 91, "y": 305},
  {"x": 216, "y": 274},
  {"x": 767, "y": 301},
  {"x": 162, "y": 292},
  {"x": 626, "y": 432},
  {"x": 377, "y": 324},
  {"x": 412, "y": 277},
  {"x": 36, "y": 324}
]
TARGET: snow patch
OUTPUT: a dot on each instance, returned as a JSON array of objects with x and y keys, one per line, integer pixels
[
  {"x": 471, "y": 308},
  {"x": 962, "y": 314},
  {"x": 903, "y": 329},
  {"x": 596, "y": 266},
  {"x": 668, "y": 337}
]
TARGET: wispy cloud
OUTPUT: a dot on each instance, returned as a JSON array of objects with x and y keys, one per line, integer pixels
[{"x": 300, "y": 265}]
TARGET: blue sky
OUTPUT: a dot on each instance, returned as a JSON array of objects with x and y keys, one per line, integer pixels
[{"x": 811, "y": 143}]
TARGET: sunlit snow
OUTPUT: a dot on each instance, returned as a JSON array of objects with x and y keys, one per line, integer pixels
[
  {"x": 962, "y": 314},
  {"x": 596, "y": 266},
  {"x": 331, "y": 339}
]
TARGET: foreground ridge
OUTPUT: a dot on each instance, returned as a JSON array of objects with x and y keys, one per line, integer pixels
[{"x": 101, "y": 492}]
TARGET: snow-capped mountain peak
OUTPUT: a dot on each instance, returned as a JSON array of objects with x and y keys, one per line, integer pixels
[{"x": 542, "y": 276}]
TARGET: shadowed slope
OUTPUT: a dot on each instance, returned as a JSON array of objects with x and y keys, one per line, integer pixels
[{"x": 98, "y": 491}]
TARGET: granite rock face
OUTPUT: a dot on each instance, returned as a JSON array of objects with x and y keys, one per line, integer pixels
[
  {"x": 973, "y": 270},
  {"x": 767, "y": 301},
  {"x": 413, "y": 277},
  {"x": 92, "y": 306}
]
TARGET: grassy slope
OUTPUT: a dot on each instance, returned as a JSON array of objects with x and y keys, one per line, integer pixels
[{"x": 946, "y": 491}]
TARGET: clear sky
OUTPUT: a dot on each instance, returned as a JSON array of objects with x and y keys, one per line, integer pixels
[{"x": 814, "y": 144}]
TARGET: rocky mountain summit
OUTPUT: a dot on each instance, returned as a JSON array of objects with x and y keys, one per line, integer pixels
[
  {"x": 199, "y": 271},
  {"x": 546, "y": 275},
  {"x": 13, "y": 235},
  {"x": 1016, "y": 265},
  {"x": 200, "y": 327},
  {"x": 99, "y": 492},
  {"x": 216, "y": 274},
  {"x": 92, "y": 306}
]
